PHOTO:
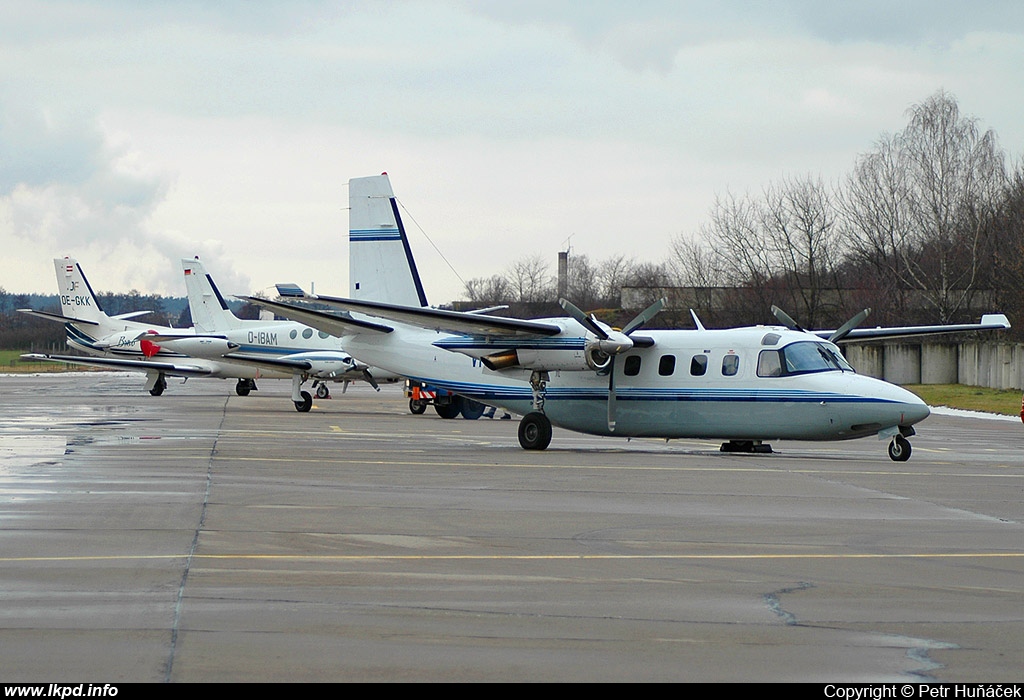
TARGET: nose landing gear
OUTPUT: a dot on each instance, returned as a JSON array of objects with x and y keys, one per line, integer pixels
[{"x": 899, "y": 449}]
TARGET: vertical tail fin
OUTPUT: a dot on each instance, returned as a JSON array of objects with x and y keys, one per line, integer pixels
[
  {"x": 77, "y": 300},
  {"x": 380, "y": 262},
  {"x": 210, "y": 313}
]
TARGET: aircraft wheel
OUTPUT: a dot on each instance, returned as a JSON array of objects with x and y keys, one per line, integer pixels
[
  {"x": 306, "y": 403},
  {"x": 322, "y": 392},
  {"x": 471, "y": 410},
  {"x": 899, "y": 449},
  {"x": 417, "y": 406},
  {"x": 242, "y": 388},
  {"x": 450, "y": 409},
  {"x": 158, "y": 387},
  {"x": 534, "y": 431}
]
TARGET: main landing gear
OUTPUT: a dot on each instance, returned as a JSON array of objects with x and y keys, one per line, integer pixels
[
  {"x": 303, "y": 401},
  {"x": 244, "y": 386},
  {"x": 534, "y": 431},
  {"x": 159, "y": 385},
  {"x": 535, "y": 427}
]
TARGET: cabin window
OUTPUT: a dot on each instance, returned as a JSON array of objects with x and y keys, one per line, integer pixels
[
  {"x": 730, "y": 365},
  {"x": 294, "y": 334},
  {"x": 667, "y": 365},
  {"x": 769, "y": 363},
  {"x": 699, "y": 365},
  {"x": 322, "y": 334},
  {"x": 770, "y": 339},
  {"x": 631, "y": 368},
  {"x": 308, "y": 333}
]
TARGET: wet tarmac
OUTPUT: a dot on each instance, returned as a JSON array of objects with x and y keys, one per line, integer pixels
[{"x": 203, "y": 536}]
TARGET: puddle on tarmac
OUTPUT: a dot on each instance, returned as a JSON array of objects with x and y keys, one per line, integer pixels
[{"x": 17, "y": 451}]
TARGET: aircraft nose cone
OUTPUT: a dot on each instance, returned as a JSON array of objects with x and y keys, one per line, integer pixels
[{"x": 913, "y": 408}]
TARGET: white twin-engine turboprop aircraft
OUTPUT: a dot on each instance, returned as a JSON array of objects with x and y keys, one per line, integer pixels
[{"x": 740, "y": 385}]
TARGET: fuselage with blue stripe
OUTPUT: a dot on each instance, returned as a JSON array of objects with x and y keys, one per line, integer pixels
[{"x": 651, "y": 401}]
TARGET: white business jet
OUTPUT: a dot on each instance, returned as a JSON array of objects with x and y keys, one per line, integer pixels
[
  {"x": 745, "y": 386},
  {"x": 274, "y": 346},
  {"x": 118, "y": 342}
]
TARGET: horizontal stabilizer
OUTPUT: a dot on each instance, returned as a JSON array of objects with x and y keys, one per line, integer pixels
[
  {"x": 130, "y": 315},
  {"x": 57, "y": 317},
  {"x": 290, "y": 290}
]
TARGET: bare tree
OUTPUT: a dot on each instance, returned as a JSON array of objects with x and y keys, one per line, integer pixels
[
  {"x": 612, "y": 273},
  {"x": 488, "y": 290},
  {"x": 1007, "y": 250},
  {"x": 530, "y": 281},
  {"x": 921, "y": 205},
  {"x": 581, "y": 287},
  {"x": 741, "y": 252},
  {"x": 798, "y": 221}
]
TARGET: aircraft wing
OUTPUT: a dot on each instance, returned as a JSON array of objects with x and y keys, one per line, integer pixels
[
  {"x": 172, "y": 368},
  {"x": 56, "y": 317},
  {"x": 989, "y": 322},
  {"x": 336, "y": 325},
  {"x": 455, "y": 322}
]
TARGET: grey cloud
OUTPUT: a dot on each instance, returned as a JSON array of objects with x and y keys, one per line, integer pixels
[{"x": 39, "y": 149}]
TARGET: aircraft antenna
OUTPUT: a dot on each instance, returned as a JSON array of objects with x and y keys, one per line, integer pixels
[{"x": 413, "y": 219}]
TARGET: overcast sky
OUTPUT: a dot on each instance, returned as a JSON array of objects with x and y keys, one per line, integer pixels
[{"x": 135, "y": 133}]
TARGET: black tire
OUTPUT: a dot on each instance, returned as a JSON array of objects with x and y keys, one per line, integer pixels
[
  {"x": 417, "y": 406},
  {"x": 158, "y": 387},
  {"x": 306, "y": 403},
  {"x": 899, "y": 449},
  {"x": 242, "y": 388},
  {"x": 322, "y": 391},
  {"x": 534, "y": 431},
  {"x": 451, "y": 409},
  {"x": 472, "y": 410}
]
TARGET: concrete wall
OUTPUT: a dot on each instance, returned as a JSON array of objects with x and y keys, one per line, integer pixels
[{"x": 994, "y": 365}]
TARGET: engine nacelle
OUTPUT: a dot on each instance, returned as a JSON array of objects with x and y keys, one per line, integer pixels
[
  {"x": 198, "y": 347},
  {"x": 590, "y": 358},
  {"x": 326, "y": 364}
]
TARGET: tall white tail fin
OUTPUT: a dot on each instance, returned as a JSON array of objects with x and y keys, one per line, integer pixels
[
  {"x": 380, "y": 262},
  {"x": 210, "y": 313},
  {"x": 77, "y": 300}
]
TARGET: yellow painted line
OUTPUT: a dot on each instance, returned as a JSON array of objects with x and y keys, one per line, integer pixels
[
  {"x": 765, "y": 468},
  {"x": 510, "y": 557}
]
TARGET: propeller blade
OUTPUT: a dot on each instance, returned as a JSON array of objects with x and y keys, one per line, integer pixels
[
  {"x": 370, "y": 380},
  {"x": 785, "y": 319},
  {"x": 587, "y": 321},
  {"x": 645, "y": 316},
  {"x": 845, "y": 329}
]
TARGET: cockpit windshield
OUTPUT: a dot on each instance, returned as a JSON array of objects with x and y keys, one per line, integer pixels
[{"x": 801, "y": 358}]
